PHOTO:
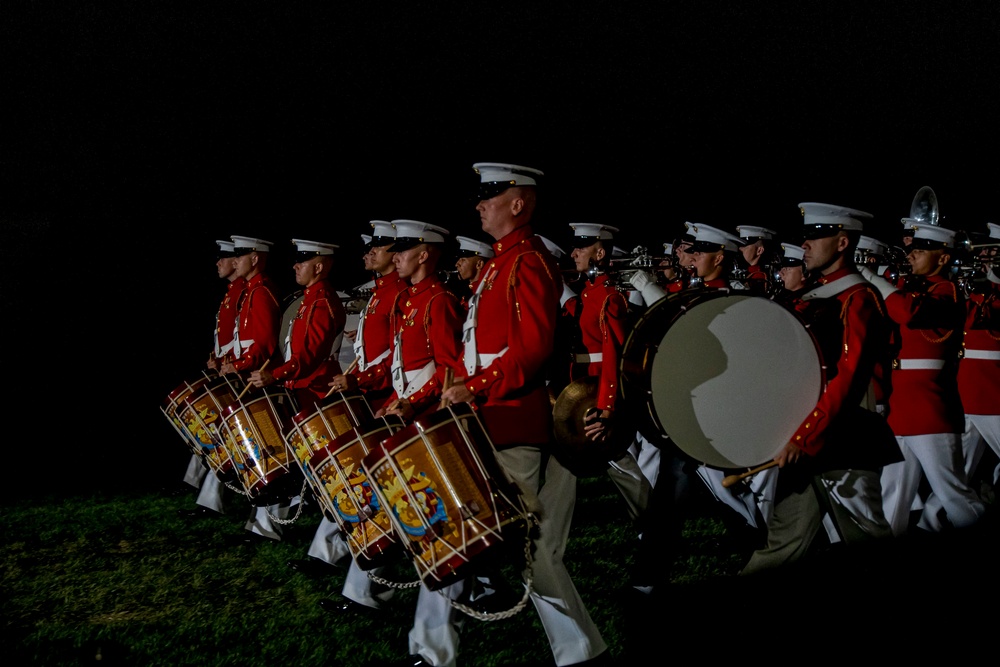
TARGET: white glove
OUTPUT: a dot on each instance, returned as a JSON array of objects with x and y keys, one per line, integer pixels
[
  {"x": 884, "y": 287},
  {"x": 640, "y": 279}
]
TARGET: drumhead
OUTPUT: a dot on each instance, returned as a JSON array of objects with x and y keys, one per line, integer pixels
[{"x": 733, "y": 378}]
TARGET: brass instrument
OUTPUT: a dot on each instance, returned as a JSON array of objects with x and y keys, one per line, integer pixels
[{"x": 620, "y": 269}]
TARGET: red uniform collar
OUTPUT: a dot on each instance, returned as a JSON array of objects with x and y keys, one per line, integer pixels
[{"x": 516, "y": 237}]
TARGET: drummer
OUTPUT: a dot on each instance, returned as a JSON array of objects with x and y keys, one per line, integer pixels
[
  {"x": 508, "y": 339},
  {"x": 426, "y": 321},
  {"x": 373, "y": 339},
  {"x": 210, "y": 495},
  {"x": 310, "y": 346},
  {"x": 255, "y": 346},
  {"x": 839, "y": 445}
]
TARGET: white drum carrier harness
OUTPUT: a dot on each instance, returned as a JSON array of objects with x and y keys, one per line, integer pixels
[{"x": 473, "y": 359}]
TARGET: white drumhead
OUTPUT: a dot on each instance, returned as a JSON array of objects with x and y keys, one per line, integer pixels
[{"x": 733, "y": 378}]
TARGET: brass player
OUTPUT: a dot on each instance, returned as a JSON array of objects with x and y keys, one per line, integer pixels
[
  {"x": 925, "y": 409},
  {"x": 758, "y": 253}
]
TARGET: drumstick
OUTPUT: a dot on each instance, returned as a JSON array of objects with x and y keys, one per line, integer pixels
[
  {"x": 354, "y": 364},
  {"x": 247, "y": 388},
  {"x": 729, "y": 480},
  {"x": 449, "y": 378}
]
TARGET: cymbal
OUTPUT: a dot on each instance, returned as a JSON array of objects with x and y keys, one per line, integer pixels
[{"x": 581, "y": 455}]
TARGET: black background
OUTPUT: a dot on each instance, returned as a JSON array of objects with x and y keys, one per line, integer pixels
[{"x": 138, "y": 133}]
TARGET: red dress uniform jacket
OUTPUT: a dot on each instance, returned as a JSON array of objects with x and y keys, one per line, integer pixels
[
  {"x": 979, "y": 369},
  {"x": 258, "y": 323},
  {"x": 517, "y": 313},
  {"x": 314, "y": 329},
  {"x": 601, "y": 313},
  {"x": 428, "y": 319},
  {"x": 376, "y": 335},
  {"x": 853, "y": 331},
  {"x": 225, "y": 320},
  {"x": 929, "y": 319}
]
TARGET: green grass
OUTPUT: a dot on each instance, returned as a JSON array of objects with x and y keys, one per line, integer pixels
[{"x": 125, "y": 580}]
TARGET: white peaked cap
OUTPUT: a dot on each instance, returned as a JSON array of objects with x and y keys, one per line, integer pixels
[
  {"x": 556, "y": 251},
  {"x": 587, "y": 230},
  {"x": 750, "y": 232},
  {"x": 421, "y": 232},
  {"x": 792, "y": 252},
  {"x": 994, "y": 230},
  {"x": 872, "y": 245},
  {"x": 244, "y": 244},
  {"x": 827, "y": 215},
  {"x": 932, "y": 236},
  {"x": 514, "y": 174},
  {"x": 706, "y": 236},
  {"x": 468, "y": 247},
  {"x": 225, "y": 246},
  {"x": 314, "y": 247}
]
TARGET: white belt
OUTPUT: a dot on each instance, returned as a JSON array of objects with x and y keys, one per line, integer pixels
[
  {"x": 377, "y": 360},
  {"x": 918, "y": 364},
  {"x": 241, "y": 346},
  {"x": 225, "y": 348},
  {"x": 418, "y": 378},
  {"x": 484, "y": 360},
  {"x": 982, "y": 354},
  {"x": 588, "y": 358}
]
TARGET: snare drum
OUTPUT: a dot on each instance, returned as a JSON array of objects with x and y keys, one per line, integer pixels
[
  {"x": 449, "y": 499},
  {"x": 201, "y": 414},
  {"x": 312, "y": 430},
  {"x": 252, "y": 429},
  {"x": 175, "y": 400},
  {"x": 726, "y": 376},
  {"x": 342, "y": 486}
]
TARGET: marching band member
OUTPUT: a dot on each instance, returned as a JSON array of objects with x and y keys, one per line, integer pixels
[
  {"x": 256, "y": 343},
  {"x": 979, "y": 369},
  {"x": 599, "y": 319},
  {"x": 758, "y": 252},
  {"x": 508, "y": 339},
  {"x": 315, "y": 331},
  {"x": 472, "y": 256},
  {"x": 210, "y": 494},
  {"x": 925, "y": 410},
  {"x": 373, "y": 339},
  {"x": 826, "y": 465},
  {"x": 426, "y": 320},
  {"x": 559, "y": 253}
]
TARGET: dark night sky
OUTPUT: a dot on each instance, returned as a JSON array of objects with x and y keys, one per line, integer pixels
[{"x": 138, "y": 133}]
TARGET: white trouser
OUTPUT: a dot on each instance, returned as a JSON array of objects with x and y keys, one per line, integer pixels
[
  {"x": 210, "y": 495},
  {"x": 327, "y": 544},
  {"x": 980, "y": 431},
  {"x": 631, "y": 483},
  {"x": 196, "y": 471},
  {"x": 647, "y": 455},
  {"x": 358, "y": 587},
  {"x": 572, "y": 635},
  {"x": 938, "y": 457},
  {"x": 260, "y": 522}
]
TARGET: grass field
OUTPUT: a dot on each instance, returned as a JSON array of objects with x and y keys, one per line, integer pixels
[{"x": 124, "y": 580}]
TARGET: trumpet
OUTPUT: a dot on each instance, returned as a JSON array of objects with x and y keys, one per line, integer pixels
[{"x": 620, "y": 269}]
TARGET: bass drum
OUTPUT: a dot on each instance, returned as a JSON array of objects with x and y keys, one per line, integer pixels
[{"x": 725, "y": 376}]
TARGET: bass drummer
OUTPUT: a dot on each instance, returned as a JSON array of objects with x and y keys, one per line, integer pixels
[{"x": 832, "y": 462}]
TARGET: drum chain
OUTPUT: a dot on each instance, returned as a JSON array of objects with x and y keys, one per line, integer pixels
[
  {"x": 298, "y": 510},
  {"x": 233, "y": 488},
  {"x": 393, "y": 584},
  {"x": 531, "y": 523}
]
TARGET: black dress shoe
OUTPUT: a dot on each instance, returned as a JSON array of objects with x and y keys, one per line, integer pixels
[
  {"x": 311, "y": 567},
  {"x": 342, "y": 605}
]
